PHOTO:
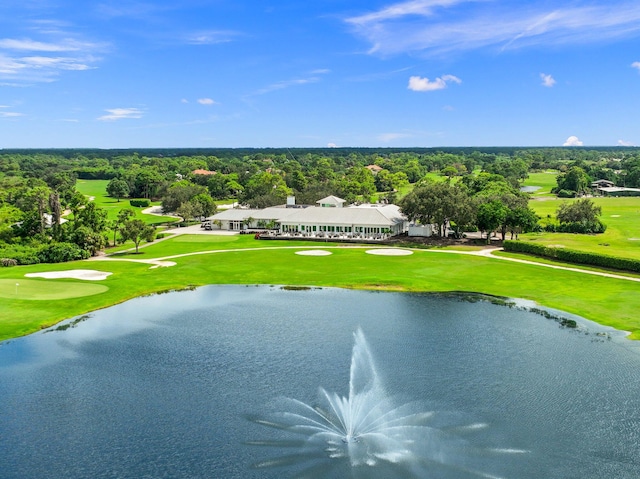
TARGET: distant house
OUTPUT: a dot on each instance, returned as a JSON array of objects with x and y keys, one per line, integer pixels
[
  {"x": 618, "y": 191},
  {"x": 204, "y": 172},
  {"x": 375, "y": 169},
  {"x": 602, "y": 183}
]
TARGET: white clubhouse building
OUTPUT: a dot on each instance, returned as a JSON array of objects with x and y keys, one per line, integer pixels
[{"x": 329, "y": 219}]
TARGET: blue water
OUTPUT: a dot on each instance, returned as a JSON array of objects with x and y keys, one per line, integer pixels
[{"x": 162, "y": 386}]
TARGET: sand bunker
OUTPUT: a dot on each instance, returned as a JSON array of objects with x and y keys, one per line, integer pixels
[
  {"x": 88, "y": 274},
  {"x": 314, "y": 252},
  {"x": 389, "y": 252}
]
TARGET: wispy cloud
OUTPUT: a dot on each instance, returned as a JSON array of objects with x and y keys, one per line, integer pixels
[
  {"x": 573, "y": 141},
  {"x": 547, "y": 80},
  {"x": 28, "y": 44},
  {"x": 313, "y": 77},
  {"x": 440, "y": 26},
  {"x": 625, "y": 143},
  {"x": 636, "y": 65},
  {"x": 417, "y": 83},
  {"x": 10, "y": 114},
  {"x": 121, "y": 114},
  {"x": 206, "y": 101},
  {"x": 28, "y": 60},
  {"x": 211, "y": 37}
]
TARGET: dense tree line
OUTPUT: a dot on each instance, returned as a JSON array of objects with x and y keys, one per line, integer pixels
[{"x": 37, "y": 187}]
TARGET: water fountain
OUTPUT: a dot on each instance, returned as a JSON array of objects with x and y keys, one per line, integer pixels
[{"x": 369, "y": 433}]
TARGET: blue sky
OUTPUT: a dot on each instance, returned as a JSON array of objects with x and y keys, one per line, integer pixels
[{"x": 262, "y": 73}]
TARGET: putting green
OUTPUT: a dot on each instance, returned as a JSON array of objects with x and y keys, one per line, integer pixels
[{"x": 29, "y": 289}]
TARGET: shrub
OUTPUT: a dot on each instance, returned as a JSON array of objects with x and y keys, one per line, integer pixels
[
  {"x": 6, "y": 262},
  {"x": 62, "y": 252},
  {"x": 140, "y": 203},
  {"x": 566, "y": 194},
  {"x": 573, "y": 256},
  {"x": 23, "y": 255},
  {"x": 581, "y": 227}
]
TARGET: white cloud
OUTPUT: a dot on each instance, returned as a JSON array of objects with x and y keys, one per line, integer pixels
[
  {"x": 184, "y": 100},
  {"x": 206, "y": 101},
  {"x": 547, "y": 80},
  {"x": 625, "y": 143},
  {"x": 442, "y": 26},
  {"x": 27, "y": 44},
  {"x": 398, "y": 10},
  {"x": 211, "y": 37},
  {"x": 286, "y": 84},
  {"x": 25, "y": 60},
  {"x": 121, "y": 113},
  {"x": 332, "y": 145},
  {"x": 10, "y": 114},
  {"x": 417, "y": 83},
  {"x": 573, "y": 141},
  {"x": 636, "y": 65}
]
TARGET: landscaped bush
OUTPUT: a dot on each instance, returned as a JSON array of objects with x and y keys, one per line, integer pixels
[
  {"x": 140, "y": 203},
  {"x": 6, "y": 262},
  {"x": 62, "y": 252},
  {"x": 596, "y": 227},
  {"x": 573, "y": 256},
  {"x": 21, "y": 254},
  {"x": 566, "y": 194}
]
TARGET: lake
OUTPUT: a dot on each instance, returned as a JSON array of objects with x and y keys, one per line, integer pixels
[{"x": 194, "y": 384}]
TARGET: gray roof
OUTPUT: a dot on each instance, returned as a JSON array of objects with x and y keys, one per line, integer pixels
[
  {"x": 239, "y": 214},
  {"x": 331, "y": 200},
  {"x": 366, "y": 215}
]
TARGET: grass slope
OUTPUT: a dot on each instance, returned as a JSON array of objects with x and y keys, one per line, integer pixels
[{"x": 608, "y": 301}]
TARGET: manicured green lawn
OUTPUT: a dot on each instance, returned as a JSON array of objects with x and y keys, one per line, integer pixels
[
  {"x": 622, "y": 237},
  {"x": 609, "y": 301},
  {"x": 97, "y": 189},
  {"x": 545, "y": 180}
]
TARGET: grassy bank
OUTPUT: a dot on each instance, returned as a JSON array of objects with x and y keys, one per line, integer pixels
[{"x": 242, "y": 260}]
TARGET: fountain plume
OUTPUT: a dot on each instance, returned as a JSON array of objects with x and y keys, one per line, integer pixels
[{"x": 367, "y": 433}]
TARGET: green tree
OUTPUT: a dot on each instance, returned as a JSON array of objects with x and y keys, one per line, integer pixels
[
  {"x": 118, "y": 188},
  {"x": 490, "y": 216},
  {"x": 180, "y": 193},
  {"x": 123, "y": 215},
  {"x": 205, "y": 204},
  {"x": 580, "y": 211},
  {"x": 576, "y": 179},
  {"x": 438, "y": 203},
  {"x": 137, "y": 230},
  {"x": 520, "y": 220}
]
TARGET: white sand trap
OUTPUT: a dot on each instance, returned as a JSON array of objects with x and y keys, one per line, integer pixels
[
  {"x": 615, "y": 216},
  {"x": 88, "y": 274},
  {"x": 389, "y": 252},
  {"x": 314, "y": 252}
]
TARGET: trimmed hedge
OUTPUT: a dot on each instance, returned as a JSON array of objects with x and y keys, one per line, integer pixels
[
  {"x": 140, "y": 203},
  {"x": 573, "y": 256}
]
